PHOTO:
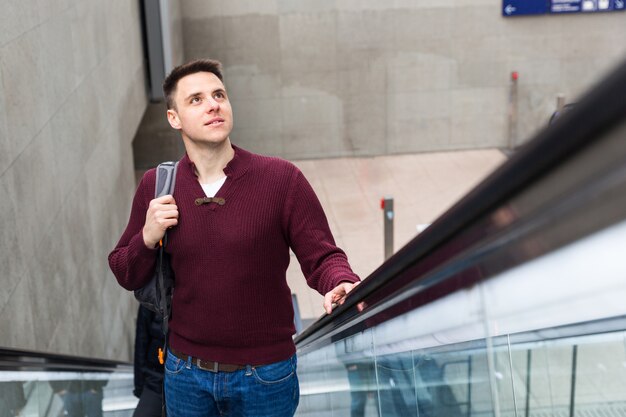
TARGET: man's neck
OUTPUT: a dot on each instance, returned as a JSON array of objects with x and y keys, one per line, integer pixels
[{"x": 211, "y": 160}]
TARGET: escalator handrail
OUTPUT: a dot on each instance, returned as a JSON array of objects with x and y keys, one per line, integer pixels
[{"x": 25, "y": 360}]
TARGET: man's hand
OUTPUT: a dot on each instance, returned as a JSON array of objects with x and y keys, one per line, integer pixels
[
  {"x": 338, "y": 295},
  {"x": 161, "y": 215}
]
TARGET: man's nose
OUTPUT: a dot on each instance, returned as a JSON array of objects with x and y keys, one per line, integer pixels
[{"x": 212, "y": 105}]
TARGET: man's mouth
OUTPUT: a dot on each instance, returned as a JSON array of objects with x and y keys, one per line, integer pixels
[{"x": 214, "y": 121}]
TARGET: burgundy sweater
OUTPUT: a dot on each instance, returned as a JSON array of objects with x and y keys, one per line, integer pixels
[{"x": 231, "y": 301}]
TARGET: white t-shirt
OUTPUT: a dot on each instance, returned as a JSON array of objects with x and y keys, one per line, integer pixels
[{"x": 211, "y": 189}]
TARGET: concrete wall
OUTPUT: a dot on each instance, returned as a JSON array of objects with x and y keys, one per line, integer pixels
[
  {"x": 314, "y": 78},
  {"x": 72, "y": 93}
]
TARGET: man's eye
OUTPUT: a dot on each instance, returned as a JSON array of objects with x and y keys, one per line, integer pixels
[
  {"x": 195, "y": 100},
  {"x": 219, "y": 95}
]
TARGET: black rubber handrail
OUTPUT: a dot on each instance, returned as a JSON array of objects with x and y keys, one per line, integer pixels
[
  {"x": 24, "y": 360},
  {"x": 600, "y": 110}
]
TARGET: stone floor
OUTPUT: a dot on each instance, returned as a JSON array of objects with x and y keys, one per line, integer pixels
[{"x": 422, "y": 185}]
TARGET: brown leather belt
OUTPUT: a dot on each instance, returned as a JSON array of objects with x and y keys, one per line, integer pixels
[{"x": 208, "y": 365}]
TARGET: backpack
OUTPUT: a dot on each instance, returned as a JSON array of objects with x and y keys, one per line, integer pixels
[{"x": 157, "y": 294}]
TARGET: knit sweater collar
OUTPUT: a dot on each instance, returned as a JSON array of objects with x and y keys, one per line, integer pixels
[{"x": 236, "y": 168}]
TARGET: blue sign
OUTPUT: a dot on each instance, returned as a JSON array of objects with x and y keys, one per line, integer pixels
[
  {"x": 524, "y": 7},
  {"x": 531, "y": 7}
]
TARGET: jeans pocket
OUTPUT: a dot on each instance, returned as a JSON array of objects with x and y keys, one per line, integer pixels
[
  {"x": 275, "y": 373},
  {"x": 173, "y": 365}
]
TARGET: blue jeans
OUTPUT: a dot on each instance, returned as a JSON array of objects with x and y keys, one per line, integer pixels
[{"x": 265, "y": 391}]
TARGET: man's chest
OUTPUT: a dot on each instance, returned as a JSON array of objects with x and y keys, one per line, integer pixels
[{"x": 236, "y": 223}]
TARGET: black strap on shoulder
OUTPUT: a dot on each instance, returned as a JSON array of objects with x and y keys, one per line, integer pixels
[{"x": 165, "y": 181}]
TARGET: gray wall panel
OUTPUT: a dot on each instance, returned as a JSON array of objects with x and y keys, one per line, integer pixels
[
  {"x": 72, "y": 94},
  {"x": 419, "y": 56}
]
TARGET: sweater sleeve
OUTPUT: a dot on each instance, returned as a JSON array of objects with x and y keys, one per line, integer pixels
[
  {"x": 323, "y": 264},
  {"x": 131, "y": 261}
]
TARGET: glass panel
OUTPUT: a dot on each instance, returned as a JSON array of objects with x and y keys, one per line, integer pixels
[
  {"x": 503, "y": 377},
  {"x": 43, "y": 399},
  {"x": 548, "y": 378},
  {"x": 357, "y": 357},
  {"x": 313, "y": 376},
  {"x": 521, "y": 358},
  {"x": 119, "y": 400},
  {"x": 589, "y": 369},
  {"x": 425, "y": 365},
  {"x": 446, "y": 376},
  {"x": 78, "y": 394},
  {"x": 561, "y": 376},
  {"x": 339, "y": 379},
  {"x": 12, "y": 398},
  {"x": 363, "y": 388},
  {"x": 54, "y": 393},
  {"x": 463, "y": 387},
  {"x": 436, "y": 382},
  {"x": 396, "y": 384},
  {"x": 601, "y": 375}
]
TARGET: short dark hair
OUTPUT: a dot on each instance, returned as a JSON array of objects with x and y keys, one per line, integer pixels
[{"x": 191, "y": 67}]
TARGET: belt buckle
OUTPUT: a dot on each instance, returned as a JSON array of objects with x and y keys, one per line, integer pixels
[{"x": 214, "y": 369}]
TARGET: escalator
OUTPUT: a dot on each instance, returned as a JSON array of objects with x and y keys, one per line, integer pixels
[{"x": 511, "y": 304}]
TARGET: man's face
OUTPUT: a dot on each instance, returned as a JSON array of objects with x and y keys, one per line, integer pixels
[{"x": 203, "y": 113}]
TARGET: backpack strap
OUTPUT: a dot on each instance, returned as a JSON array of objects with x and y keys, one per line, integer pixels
[
  {"x": 165, "y": 181},
  {"x": 165, "y": 178}
]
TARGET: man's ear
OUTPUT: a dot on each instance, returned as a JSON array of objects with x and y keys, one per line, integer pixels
[{"x": 173, "y": 119}]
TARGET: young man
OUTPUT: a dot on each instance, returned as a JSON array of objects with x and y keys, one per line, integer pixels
[{"x": 232, "y": 219}]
